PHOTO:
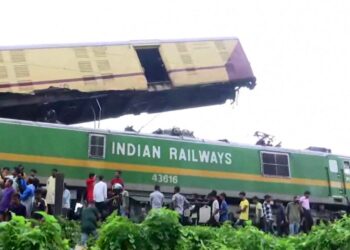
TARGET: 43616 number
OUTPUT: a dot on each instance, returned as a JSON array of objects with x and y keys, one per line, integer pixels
[{"x": 165, "y": 178}]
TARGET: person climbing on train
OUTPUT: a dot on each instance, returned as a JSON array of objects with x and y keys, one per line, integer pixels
[
  {"x": 306, "y": 212},
  {"x": 90, "y": 183},
  {"x": 243, "y": 210}
]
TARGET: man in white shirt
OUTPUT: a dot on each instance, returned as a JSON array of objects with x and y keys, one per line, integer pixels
[
  {"x": 100, "y": 195},
  {"x": 66, "y": 201},
  {"x": 50, "y": 191},
  {"x": 179, "y": 201},
  {"x": 156, "y": 198},
  {"x": 215, "y": 209}
]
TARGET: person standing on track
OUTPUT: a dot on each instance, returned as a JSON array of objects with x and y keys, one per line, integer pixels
[
  {"x": 259, "y": 214},
  {"x": 117, "y": 179},
  {"x": 223, "y": 208},
  {"x": 6, "y": 196},
  {"x": 179, "y": 202},
  {"x": 307, "y": 218},
  {"x": 90, "y": 183},
  {"x": 89, "y": 218},
  {"x": 293, "y": 211},
  {"x": 267, "y": 210},
  {"x": 243, "y": 210},
  {"x": 50, "y": 191},
  {"x": 100, "y": 195},
  {"x": 156, "y": 198}
]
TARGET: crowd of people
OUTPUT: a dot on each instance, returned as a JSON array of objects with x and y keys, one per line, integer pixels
[
  {"x": 269, "y": 216},
  {"x": 22, "y": 195}
]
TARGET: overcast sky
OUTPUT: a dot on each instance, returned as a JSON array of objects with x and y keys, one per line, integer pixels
[{"x": 299, "y": 52}]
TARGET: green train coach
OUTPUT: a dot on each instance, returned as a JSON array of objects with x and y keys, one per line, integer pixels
[{"x": 196, "y": 166}]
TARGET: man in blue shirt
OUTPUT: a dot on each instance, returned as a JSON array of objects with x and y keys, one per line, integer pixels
[
  {"x": 27, "y": 197},
  {"x": 223, "y": 208}
]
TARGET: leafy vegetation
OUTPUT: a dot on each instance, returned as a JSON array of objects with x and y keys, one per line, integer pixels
[
  {"x": 161, "y": 230},
  {"x": 70, "y": 230},
  {"x": 20, "y": 233}
]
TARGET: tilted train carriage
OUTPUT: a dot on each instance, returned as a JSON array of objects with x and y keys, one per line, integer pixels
[
  {"x": 72, "y": 83},
  {"x": 197, "y": 166}
]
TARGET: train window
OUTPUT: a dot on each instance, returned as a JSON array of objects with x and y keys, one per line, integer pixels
[
  {"x": 275, "y": 164},
  {"x": 97, "y": 146},
  {"x": 153, "y": 65}
]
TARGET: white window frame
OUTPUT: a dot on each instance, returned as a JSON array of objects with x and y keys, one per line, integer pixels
[
  {"x": 275, "y": 153},
  {"x": 345, "y": 172},
  {"x": 104, "y": 146}
]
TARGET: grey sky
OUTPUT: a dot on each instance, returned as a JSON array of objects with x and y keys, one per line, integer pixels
[{"x": 299, "y": 52}]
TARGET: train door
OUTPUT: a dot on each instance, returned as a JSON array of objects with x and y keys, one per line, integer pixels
[
  {"x": 335, "y": 178},
  {"x": 152, "y": 64},
  {"x": 346, "y": 176}
]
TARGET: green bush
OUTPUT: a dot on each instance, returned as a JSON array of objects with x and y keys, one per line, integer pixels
[
  {"x": 22, "y": 234},
  {"x": 70, "y": 230},
  {"x": 161, "y": 230},
  {"x": 119, "y": 233}
]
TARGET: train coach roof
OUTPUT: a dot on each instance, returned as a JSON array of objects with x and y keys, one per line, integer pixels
[{"x": 130, "y": 42}]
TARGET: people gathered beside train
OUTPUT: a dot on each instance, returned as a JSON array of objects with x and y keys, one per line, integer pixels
[{"x": 22, "y": 195}]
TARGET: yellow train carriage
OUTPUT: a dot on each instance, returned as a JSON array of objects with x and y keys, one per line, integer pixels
[{"x": 134, "y": 67}]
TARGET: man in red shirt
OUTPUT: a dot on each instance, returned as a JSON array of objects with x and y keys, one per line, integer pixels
[
  {"x": 90, "y": 183},
  {"x": 117, "y": 179}
]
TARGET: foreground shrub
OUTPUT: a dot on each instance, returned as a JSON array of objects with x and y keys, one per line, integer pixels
[
  {"x": 70, "y": 230},
  {"x": 22, "y": 234},
  {"x": 119, "y": 233},
  {"x": 161, "y": 229}
]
